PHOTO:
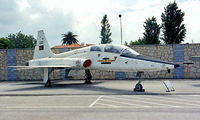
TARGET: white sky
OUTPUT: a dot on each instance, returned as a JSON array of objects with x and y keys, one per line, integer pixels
[{"x": 83, "y": 18}]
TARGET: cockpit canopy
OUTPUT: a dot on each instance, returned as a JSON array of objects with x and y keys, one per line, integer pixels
[
  {"x": 113, "y": 49},
  {"x": 118, "y": 49},
  {"x": 95, "y": 48},
  {"x": 124, "y": 51}
]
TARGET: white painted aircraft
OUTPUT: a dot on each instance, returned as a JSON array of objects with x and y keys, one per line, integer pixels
[{"x": 100, "y": 57}]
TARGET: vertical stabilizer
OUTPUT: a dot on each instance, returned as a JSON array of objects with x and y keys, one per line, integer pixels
[{"x": 42, "y": 48}]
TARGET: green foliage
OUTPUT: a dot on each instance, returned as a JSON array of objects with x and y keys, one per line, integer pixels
[
  {"x": 138, "y": 42},
  {"x": 20, "y": 40},
  {"x": 4, "y": 43},
  {"x": 152, "y": 32},
  {"x": 105, "y": 31},
  {"x": 126, "y": 43},
  {"x": 173, "y": 29},
  {"x": 69, "y": 38}
]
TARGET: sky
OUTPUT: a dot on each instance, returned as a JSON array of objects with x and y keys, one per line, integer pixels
[{"x": 83, "y": 18}]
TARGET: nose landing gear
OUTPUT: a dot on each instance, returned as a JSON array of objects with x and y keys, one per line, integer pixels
[{"x": 138, "y": 86}]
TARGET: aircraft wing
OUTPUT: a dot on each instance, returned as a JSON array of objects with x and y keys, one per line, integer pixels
[
  {"x": 72, "y": 63},
  {"x": 49, "y": 66},
  {"x": 35, "y": 67}
]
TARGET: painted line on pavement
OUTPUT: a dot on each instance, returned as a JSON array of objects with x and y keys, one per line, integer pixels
[
  {"x": 95, "y": 101},
  {"x": 107, "y": 105},
  {"x": 124, "y": 103},
  {"x": 179, "y": 101},
  {"x": 155, "y": 103},
  {"x": 150, "y": 99}
]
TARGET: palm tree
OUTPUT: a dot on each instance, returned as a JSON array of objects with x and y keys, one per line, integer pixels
[{"x": 69, "y": 39}]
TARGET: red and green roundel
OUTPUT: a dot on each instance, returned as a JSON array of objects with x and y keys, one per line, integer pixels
[{"x": 41, "y": 47}]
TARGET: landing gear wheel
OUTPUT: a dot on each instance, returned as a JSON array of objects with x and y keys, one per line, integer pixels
[
  {"x": 48, "y": 83},
  {"x": 138, "y": 88},
  {"x": 87, "y": 82}
]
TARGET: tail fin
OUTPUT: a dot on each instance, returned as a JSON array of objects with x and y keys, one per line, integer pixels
[{"x": 42, "y": 48}]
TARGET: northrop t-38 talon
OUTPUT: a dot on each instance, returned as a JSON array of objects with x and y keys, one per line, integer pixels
[{"x": 106, "y": 57}]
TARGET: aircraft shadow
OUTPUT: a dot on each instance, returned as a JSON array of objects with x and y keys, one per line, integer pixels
[
  {"x": 95, "y": 90},
  {"x": 196, "y": 85}
]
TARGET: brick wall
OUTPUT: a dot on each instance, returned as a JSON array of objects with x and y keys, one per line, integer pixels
[
  {"x": 3, "y": 65},
  {"x": 194, "y": 70}
]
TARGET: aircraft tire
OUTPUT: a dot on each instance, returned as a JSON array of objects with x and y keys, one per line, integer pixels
[
  {"x": 87, "y": 82},
  {"x": 138, "y": 88}
]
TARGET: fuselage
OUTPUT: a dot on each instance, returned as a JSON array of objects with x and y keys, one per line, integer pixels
[{"x": 111, "y": 58}]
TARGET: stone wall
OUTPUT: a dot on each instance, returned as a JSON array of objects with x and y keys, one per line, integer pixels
[
  {"x": 96, "y": 74},
  {"x": 3, "y": 65},
  {"x": 22, "y": 56},
  {"x": 194, "y": 70},
  {"x": 172, "y": 53}
]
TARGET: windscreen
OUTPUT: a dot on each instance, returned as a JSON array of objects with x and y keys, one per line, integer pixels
[
  {"x": 95, "y": 48},
  {"x": 113, "y": 49},
  {"x": 129, "y": 53}
]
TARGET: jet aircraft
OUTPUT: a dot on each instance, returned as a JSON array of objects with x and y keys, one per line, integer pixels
[{"x": 107, "y": 57}]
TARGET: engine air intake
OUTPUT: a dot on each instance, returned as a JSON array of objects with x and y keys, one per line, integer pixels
[{"x": 87, "y": 63}]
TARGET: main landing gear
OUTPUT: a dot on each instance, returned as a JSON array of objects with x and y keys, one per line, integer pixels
[
  {"x": 47, "y": 82},
  {"x": 88, "y": 77},
  {"x": 138, "y": 86}
]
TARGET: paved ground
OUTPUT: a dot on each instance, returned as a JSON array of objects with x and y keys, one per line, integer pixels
[{"x": 105, "y": 100}]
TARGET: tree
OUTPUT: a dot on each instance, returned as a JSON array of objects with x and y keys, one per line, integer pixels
[
  {"x": 20, "y": 40},
  {"x": 173, "y": 29},
  {"x": 138, "y": 42},
  {"x": 152, "y": 31},
  {"x": 4, "y": 43},
  {"x": 126, "y": 43},
  {"x": 105, "y": 31},
  {"x": 69, "y": 38}
]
